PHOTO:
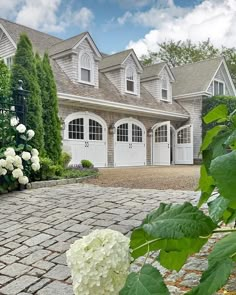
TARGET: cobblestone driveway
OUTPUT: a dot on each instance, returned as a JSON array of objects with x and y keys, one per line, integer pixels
[{"x": 37, "y": 227}]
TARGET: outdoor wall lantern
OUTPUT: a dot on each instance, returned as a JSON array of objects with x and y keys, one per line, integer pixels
[
  {"x": 150, "y": 132},
  {"x": 112, "y": 129},
  {"x": 62, "y": 124}
]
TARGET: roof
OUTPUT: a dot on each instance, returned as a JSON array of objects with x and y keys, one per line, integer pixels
[
  {"x": 40, "y": 41},
  {"x": 114, "y": 59},
  {"x": 108, "y": 92},
  {"x": 195, "y": 77},
  {"x": 66, "y": 44},
  {"x": 152, "y": 70}
]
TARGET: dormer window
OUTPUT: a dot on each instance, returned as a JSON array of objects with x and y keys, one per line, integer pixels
[
  {"x": 86, "y": 68},
  {"x": 164, "y": 89},
  {"x": 130, "y": 80},
  {"x": 219, "y": 88}
]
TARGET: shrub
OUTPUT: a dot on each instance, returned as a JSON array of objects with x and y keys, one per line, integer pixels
[
  {"x": 65, "y": 159},
  {"x": 86, "y": 164}
]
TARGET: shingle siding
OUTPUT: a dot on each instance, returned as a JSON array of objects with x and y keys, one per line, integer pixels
[
  {"x": 194, "y": 107},
  {"x": 153, "y": 87},
  {"x": 115, "y": 77},
  {"x": 6, "y": 46}
]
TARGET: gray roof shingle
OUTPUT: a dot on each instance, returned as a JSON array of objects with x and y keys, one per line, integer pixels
[
  {"x": 152, "y": 70},
  {"x": 40, "y": 41},
  {"x": 114, "y": 59},
  {"x": 195, "y": 77}
]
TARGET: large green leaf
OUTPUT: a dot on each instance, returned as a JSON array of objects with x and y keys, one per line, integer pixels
[
  {"x": 178, "y": 221},
  {"x": 147, "y": 282},
  {"x": 173, "y": 260},
  {"x": 223, "y": 249},
  {"x": 206, "y": 185},
  {"x": 223, "y": 171},
  {"x": 217, "y": 208},
  {"x": 231, "y": 140},
  {"x": 214, "y": 278},
  {"x": 218, "y": 113},
  {"x": 210, "y": 135}
]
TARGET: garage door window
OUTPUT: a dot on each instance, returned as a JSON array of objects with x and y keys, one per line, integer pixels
[
  {"x": 184, "y": 136},
  {"x": 137, "y": 134},
  {"x": 95, "y": 130},
  {"x": 161, "y": 134},
  {"x": 122, "y": 132},
  {"x": 76, "y": 129}
]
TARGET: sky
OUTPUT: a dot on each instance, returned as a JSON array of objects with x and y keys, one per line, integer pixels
[{"x": 116, "y": 25}]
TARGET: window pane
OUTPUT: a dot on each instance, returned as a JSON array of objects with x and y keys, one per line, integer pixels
[
  {"x": 137, "y": 134},
  {"x": 216, "y": 92},
  {"x": 122, "y": 132},
  {"x": 221, "y": 88},
  {"x": 95, "y": 130},
  {"x": 164, "y": 94},
  {"x": 184, "y": 136},
  {"x": 76, "y": 129},
  {"x": 161, "y": 134},
  {"x": 85, "y": 75},
  {"x": 130, "y": 86}
]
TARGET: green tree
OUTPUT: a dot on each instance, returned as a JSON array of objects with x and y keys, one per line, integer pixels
[
  {"x": 4, "y": 79},
  {"x": 24, "y": 68},
  {"x": 51, "y": 121}
]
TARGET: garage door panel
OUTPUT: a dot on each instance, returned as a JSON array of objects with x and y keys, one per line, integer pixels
[
  {"x": 161, "y": 144},
  {"x": 184, "y": 145},
  {"x": 96, "y": 153}
]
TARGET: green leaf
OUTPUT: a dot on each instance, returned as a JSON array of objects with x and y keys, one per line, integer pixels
[
  {"x": 223, "y": 171},
  {"x": 217, "y": 208},
  {"x": 178, "y": 221},
  {"x": 218, "y": 113},
  {"x": 210, "y": 135},
  {"x": 173, "y": 260},
  {"x": 148, "y": 282},
  {"x": 214, "y": 278},
  {"x": 223, "y": 249},
  {"x": 231, "y": 141},
  {"x": 206, "y": 185}
]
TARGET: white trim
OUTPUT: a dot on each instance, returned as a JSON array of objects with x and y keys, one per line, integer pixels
[
  {"x": 91, "y": 42},
  {"x": 135, "y": 60},
  {"x": 91, "y": 82},
  {"x": 120, "y": 106},
  {"x": 169, "y": 72},
  {"x": 190, "y": 95},
  {"x": 135, "y": 92},
  {"x": 8, "y": 36},
  {"x": 132, "y": 120}
]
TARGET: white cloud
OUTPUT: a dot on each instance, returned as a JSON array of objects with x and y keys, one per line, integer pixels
[
  {"x": 46, "y": 15},
  {"x": 123, "y": 19},
  {"x": 134, "y": 3},
  {"x": 214, "y": 19}
]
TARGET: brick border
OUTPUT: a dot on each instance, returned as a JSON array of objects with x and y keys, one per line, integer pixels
[{"x": 50, "y": 183}]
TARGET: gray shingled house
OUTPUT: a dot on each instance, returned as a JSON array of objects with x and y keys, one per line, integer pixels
[{"x": 117, "y": 112}]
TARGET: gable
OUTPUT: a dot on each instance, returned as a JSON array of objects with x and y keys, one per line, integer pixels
[
  {"x": 6, "y": 46},
  {"x": 88, "y": 44}
]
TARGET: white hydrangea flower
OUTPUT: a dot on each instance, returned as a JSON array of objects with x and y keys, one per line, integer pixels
[
  {"x": 23, "y": 180},
  {"x": 10, "y": 152},
  {"x": 17, "y": 162},
  {"x": 10, "y": 160},
  {"x": 35, "y": 166},
  {"x": 9, "y": 166},
  {"x": 99, "y": 263},
  {"x": 3, "y": 163},
  {"x": 3, "y": 171},
  {"x": 35, "y": 159},
  {"x": 30, "y": 133},
  {"x": 26, "y": 156},
  {"x": 14, "y": 121},
  {"x": 34, "y": 152},
  {"x": 17, "y": 173},
  {"x": 21, "y": 128}
]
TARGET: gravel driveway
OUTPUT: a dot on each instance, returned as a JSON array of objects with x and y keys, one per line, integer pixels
[{"x": 158, "y": 177}]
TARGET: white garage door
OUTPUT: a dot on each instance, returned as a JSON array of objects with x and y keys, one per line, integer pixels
[
  {"x": 161, "y": 144},
  {"x": 130, "y": 143},
  {"x": 85, "y": 137},
  {"x": 184, "y": 145}
]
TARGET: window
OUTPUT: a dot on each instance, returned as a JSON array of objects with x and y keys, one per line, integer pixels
[
  {"x": 85, "y": 68},
  {"x": 161, "y": 134},
  {"x": 137, "y": 134},
  {"x": 130, "y": 80},
  {"x": 8, "y": 61},
  {"x": 164, "y": 90},
  {"x": 76, "y": 129},
  {"x": 219, "y": 88},
  {"x": 122, "y": 132},
  {"x": 95, "y": 130},
  {"x": 184, "y": 136}
]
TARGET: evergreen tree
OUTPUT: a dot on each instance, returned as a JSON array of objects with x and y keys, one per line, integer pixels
[
  {"x": 4, "y": 79},
  {"x": 24, "y": 68},
  {"x": 52, "y": 124}
]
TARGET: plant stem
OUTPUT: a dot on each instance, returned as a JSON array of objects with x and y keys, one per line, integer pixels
[{"x": 229, "y": 230}]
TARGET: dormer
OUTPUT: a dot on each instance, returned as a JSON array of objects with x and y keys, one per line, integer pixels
[
  {"x": 158, "y": 80},
  {"x": 123, "y": 69},
  {"x": 79, "y": 58}
]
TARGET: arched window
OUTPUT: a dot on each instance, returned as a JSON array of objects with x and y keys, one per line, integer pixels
[
  {"x": 85, "y": 68},
  {"x": 184, "y": 135},
  {"x": 130, "y": 79}
]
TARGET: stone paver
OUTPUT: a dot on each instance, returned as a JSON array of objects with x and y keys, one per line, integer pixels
[{"x": 38, "y": 226}]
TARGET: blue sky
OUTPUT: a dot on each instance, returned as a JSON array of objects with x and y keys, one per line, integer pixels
[{"x": 119, "y": 24}]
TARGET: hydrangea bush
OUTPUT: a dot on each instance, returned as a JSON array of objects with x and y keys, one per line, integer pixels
[
  {"x": 19, "y": 161},
  {"x": 99, "y": 263}
]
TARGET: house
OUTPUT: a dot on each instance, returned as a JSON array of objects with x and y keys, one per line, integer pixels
[{"x": 117, "y": 112}]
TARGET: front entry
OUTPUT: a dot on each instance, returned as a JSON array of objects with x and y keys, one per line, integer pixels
[
  {"x": 172, "y": 146},
  {"x": 85, "y": 137},
  {"x": 129, "y": 143}
]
